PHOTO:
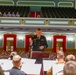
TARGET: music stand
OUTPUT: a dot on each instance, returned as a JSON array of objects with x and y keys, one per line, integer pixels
[{"x": 39, "y": 54}]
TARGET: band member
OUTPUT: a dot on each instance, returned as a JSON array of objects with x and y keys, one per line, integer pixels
[{"x": 16, "y": 69}]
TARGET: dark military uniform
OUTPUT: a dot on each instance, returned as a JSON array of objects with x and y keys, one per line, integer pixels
[{"x": 39, "y": 41}]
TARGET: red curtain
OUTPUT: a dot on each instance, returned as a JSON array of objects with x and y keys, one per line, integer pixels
[
  {"x": 35, "y": 14},
  {"x": 5, "y": 40},
  {"x": 63, "y": 43},
  {"x": 27, "y": 37}
]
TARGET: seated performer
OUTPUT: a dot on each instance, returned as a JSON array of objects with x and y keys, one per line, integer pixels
[
  {"x": 69, "y": 68},
  {"x": 16, "y": 69}
]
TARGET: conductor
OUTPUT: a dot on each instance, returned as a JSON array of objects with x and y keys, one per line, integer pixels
[{"x": 38, "y": 42}]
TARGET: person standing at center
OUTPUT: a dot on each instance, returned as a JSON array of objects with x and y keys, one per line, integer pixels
[{"x": 38, "y": 42}]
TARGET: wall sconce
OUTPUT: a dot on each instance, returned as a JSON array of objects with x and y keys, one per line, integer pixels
[
  {"x": 21, "y": 38},
  {"x": 1, "y": 37},
  {"x": 49, "y": 38},
  {"x": 70, "y": 39}
]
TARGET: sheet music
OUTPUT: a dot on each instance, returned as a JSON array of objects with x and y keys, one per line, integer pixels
[
  {"x": 31, "y": 68},
  {"x": 47, "y": 64},
  {"x": 6, "y": 73},
  {"x": 4, "y": 61},
  {"x": 26, "y": 60},
  {"x": 6, "y": 64},
  {"x": 57, "y": 69}
]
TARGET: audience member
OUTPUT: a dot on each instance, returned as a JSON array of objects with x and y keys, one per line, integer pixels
[
  {"x": 17, "y": 14},
  {"x": 13, "y": 14},
  {"x": 16, "y": 66},
  {"x": 0, "y": 14},
  {"x": 4, "y": 15},
  {"x": 9, "y": 14},
  {"x": 69, "y": 68},
  {"x": 70, "y": 58}
]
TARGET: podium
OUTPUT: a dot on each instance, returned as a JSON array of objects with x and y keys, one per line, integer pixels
[
  {"x": 30, "y": 61},
  {"x": 39, "y": 54}
]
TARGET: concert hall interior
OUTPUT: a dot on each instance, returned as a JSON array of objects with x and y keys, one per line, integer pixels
[{"x": 19, "y": 20}]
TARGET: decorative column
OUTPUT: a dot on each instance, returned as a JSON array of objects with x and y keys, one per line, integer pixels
[
  {"x": 46, "y": 22},
  {"x": 22, "y": 21},
  {"x": 71, "y": 22}
]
